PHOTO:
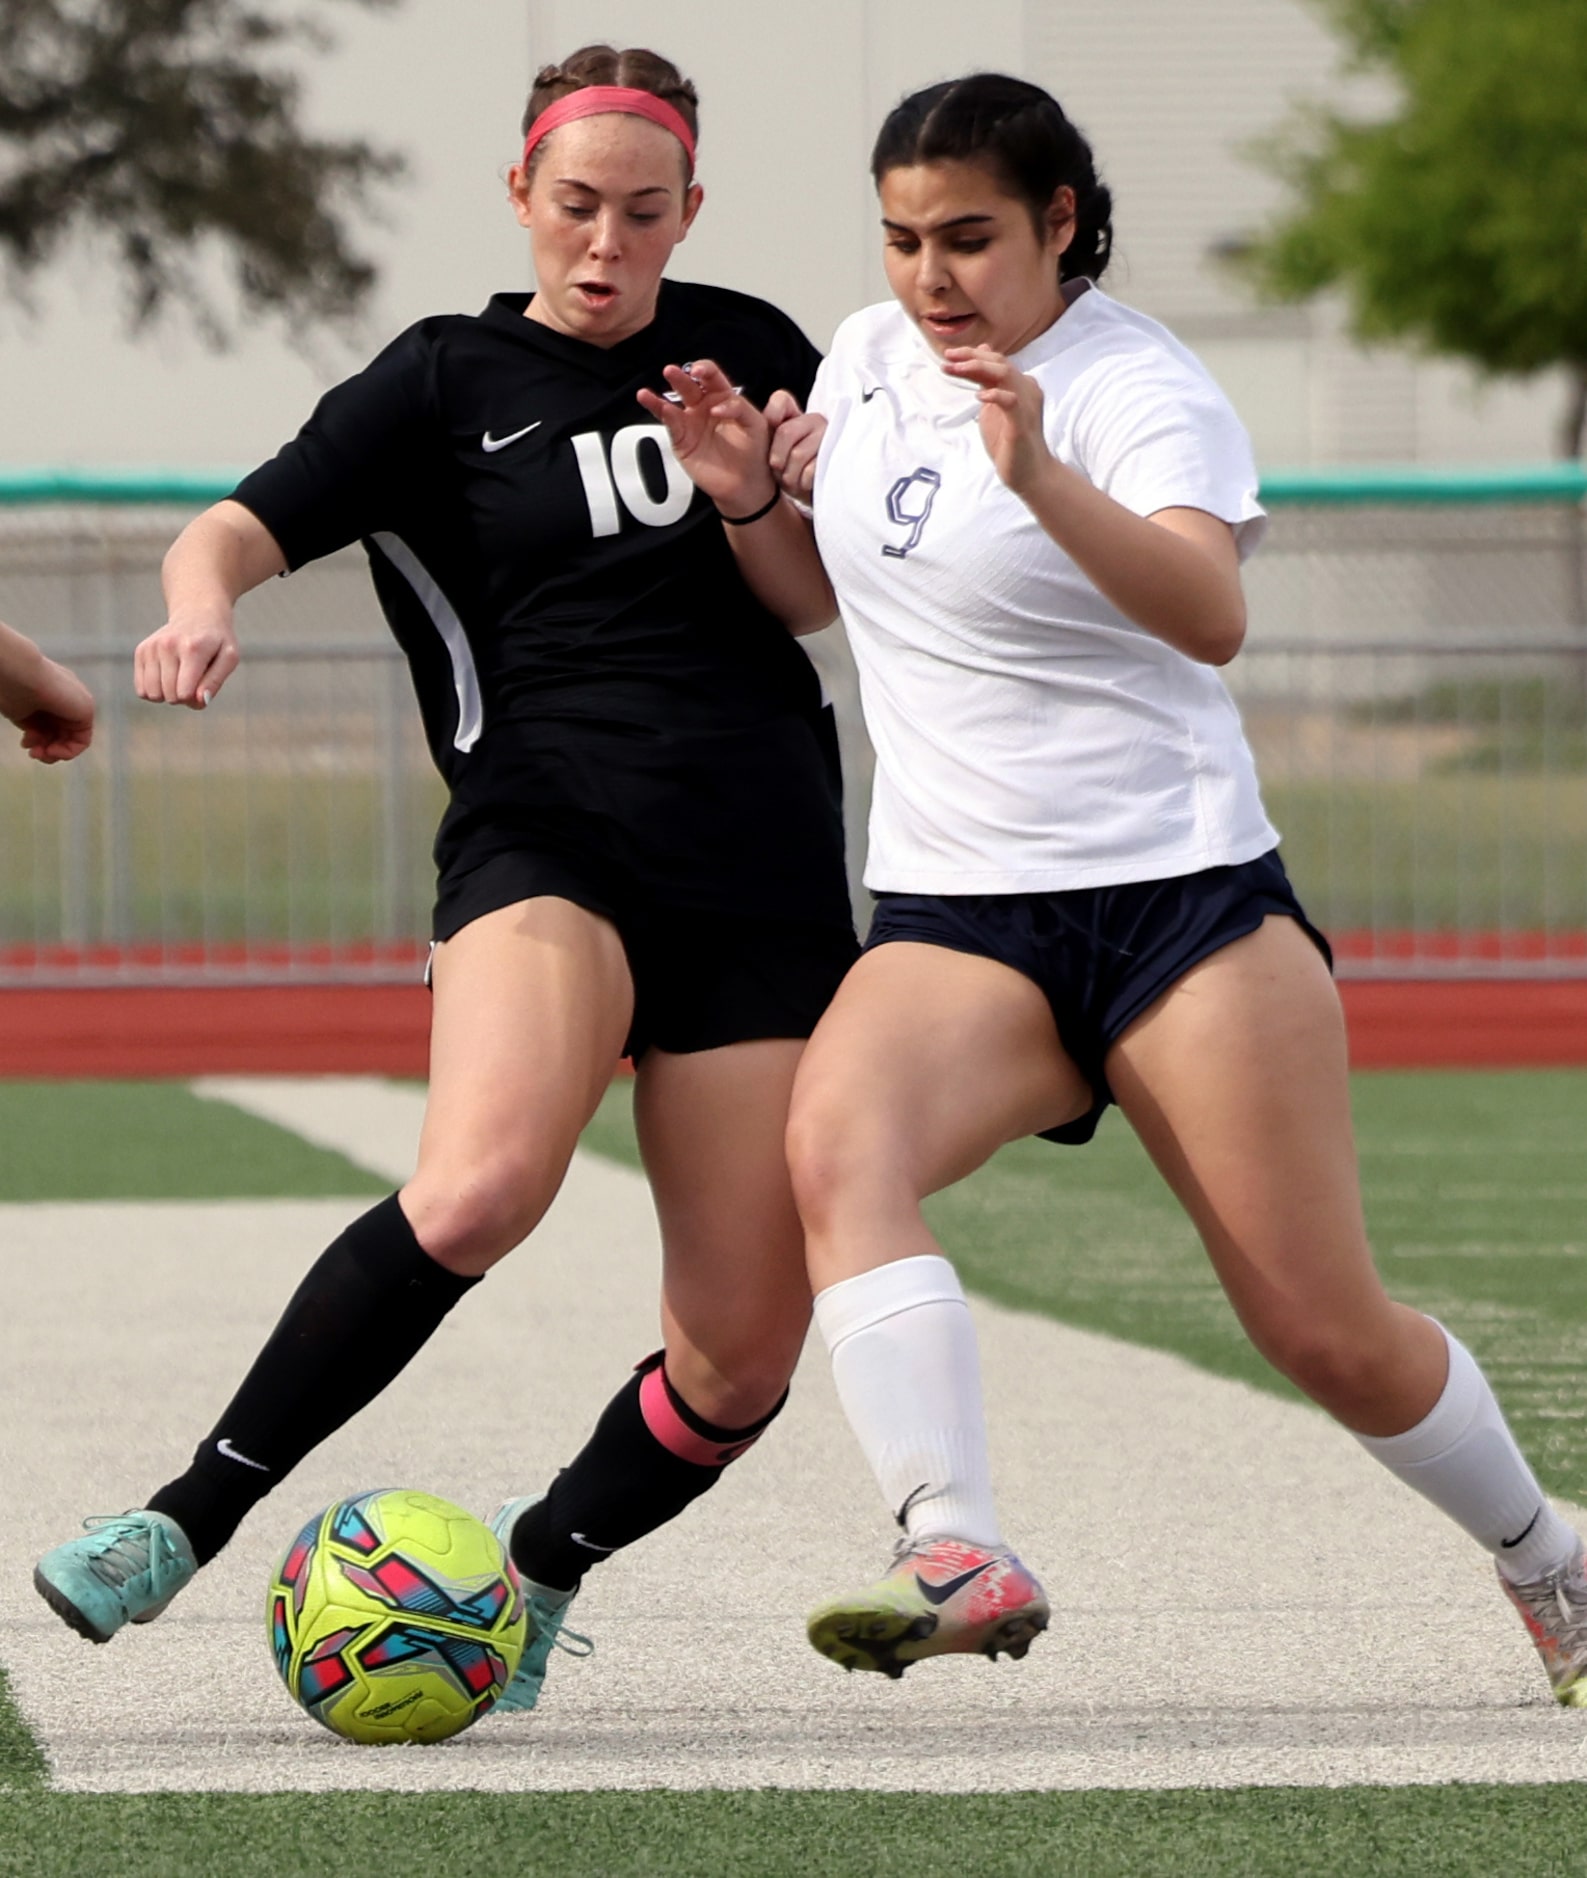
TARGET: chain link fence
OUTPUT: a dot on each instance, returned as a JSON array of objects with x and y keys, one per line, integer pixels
[{"x": 1414, "y": 684}]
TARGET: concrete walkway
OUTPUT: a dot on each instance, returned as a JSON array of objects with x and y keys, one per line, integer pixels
[{"x": 1240, "y": 1596}]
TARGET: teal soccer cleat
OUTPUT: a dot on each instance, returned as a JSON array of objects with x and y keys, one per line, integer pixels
[
  {"x": 547, "y": 1609},
  {"x": 125, "y": 1569}
]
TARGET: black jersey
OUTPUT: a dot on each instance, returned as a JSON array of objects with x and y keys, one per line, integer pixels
[{"x": 580, "y": 638}]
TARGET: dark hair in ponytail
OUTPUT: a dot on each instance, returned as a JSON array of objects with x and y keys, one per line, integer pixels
[{"x": 1020, "y": 132}]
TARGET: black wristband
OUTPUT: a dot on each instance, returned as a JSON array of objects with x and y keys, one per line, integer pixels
[{"x": 743, "y": 521}]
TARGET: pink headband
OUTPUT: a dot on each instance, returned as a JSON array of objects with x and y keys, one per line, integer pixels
[{"x": 593, "y": 100}]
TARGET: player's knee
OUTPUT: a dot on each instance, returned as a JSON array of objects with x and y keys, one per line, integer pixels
[
  {"x": 833, "y": 1158},
  {"x": 469, "y": 1218},
  {"x": 690, "y": 1401},
  {"x": 733, "y": 1364},
  {"x": 823, "y": 1167},
  {"x": 1341, "y": 1370},
  {"x": 734, "y": 1392}
]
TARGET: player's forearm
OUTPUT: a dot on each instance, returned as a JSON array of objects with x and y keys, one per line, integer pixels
[
  {"x": 1170, "y": 585},
  {"x": 217, "y": 558},
  {"x": 781, "y": 565},
  {"x": 22, "y": 671}
]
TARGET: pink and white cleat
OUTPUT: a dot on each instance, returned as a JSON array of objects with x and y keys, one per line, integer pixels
[
  {"x": 1554, "y": 1610},
  {"x": 942, "y": 1597}
]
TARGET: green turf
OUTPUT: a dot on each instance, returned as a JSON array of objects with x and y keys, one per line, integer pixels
[
  {"x": 1476, "y": 1195},
  {"x": 1457, "y": 1832},
  {"x": 612, "y": 1131},
  {"x": 155, "y": 1141},
  {"x": 21, "y": 1763}
]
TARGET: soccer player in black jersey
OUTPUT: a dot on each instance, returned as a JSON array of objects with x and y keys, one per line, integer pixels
[{"x": 642, "y": 849}]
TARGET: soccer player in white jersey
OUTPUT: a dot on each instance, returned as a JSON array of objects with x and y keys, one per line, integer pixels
[
  {"x": 642, "y": 849},
  {"x": 1032, "y": 504}
]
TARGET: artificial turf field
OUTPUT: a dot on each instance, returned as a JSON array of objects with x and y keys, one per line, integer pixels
[{"x": 1477, "y": 1196}]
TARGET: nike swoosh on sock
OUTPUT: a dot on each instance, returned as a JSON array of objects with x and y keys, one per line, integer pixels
[
  {"x": 227, "y": 1452},
  {"x": 1509, "y": 1544}
]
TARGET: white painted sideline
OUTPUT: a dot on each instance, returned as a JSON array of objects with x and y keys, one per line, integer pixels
[{"x": 1241, "y": 1597}]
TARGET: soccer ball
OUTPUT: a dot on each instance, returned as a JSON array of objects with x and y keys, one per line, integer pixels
[{"x": 396, "y": 1616}]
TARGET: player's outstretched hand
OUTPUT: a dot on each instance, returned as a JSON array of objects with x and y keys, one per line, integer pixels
[
  {"x": 717, "y": 435},
  {"x": 1011, "y": 414},
  {"x": 50, "y": 705},
  {"x": 795, "y": 442},
  {"x": 186, "y": 662}
]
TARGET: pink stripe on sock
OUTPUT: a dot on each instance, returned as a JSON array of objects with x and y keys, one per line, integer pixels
[{"x": 675, "y": 1434}]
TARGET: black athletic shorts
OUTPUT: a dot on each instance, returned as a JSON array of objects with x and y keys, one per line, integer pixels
[
  {"x": 1100, "y": 955},
  {"x": 702, "y": 979}
]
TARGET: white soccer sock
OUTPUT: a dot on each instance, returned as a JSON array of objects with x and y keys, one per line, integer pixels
[
  {"x": 907, "y": 1373},
  {"x": 1463, "y": 1458}
]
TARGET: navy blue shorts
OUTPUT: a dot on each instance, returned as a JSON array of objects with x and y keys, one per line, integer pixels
[{"x": 1100, "y": 955}]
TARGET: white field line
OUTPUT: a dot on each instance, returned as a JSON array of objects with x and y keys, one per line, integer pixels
[{"x": 1241, "y": 1597}]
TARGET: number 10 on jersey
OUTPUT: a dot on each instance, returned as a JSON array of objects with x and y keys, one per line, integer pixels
[{"x": 620, "y": 478}]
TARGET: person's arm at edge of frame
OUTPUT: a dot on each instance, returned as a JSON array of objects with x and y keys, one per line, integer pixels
[
  {"x": 49, "y": 704},
  {"x": 216, "y": 559}
]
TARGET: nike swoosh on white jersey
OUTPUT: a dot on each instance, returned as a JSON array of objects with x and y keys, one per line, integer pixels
[
  {"x": 223, "y": 1446},
  {"x": 490, "y": 445}
]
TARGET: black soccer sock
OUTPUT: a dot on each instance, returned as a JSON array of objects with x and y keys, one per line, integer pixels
[
  {"x": 649, "y": 1456},
  {"x": 369, "y": 1303}
]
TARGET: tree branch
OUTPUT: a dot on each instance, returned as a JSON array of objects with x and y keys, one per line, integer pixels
[{"x": 157, "y": 124}]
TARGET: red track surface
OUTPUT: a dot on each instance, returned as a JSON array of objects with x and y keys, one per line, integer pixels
[
  {"x": 287, "y": 1030},
  {"x": 1470, "y": 1024},
  {"x": 382, "y": 1029}
]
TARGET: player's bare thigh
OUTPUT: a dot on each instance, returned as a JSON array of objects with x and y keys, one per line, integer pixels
[
  {"x": 926, "y": 1063},
  {"x": 532, "y": 1003}
]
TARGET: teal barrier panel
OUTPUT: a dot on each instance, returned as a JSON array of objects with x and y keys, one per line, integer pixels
[
  {"x": 1358, "y": 486},
  {"x": 1361, "y": 486},
  {"x": 144, "y": 488}
]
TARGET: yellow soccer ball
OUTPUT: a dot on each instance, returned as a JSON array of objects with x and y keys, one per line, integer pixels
[{"x": 396, "y": 1616}]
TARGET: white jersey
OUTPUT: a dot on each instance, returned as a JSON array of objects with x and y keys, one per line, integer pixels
[{"x": 1028, "y": 735}]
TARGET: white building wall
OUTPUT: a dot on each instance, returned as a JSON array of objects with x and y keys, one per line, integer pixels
[{"x": 1170, "y": 94}]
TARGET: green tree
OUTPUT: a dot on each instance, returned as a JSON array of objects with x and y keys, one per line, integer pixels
[
  {"x": 1459, "y": 221},
  {"x": 170, "y": 129}
]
